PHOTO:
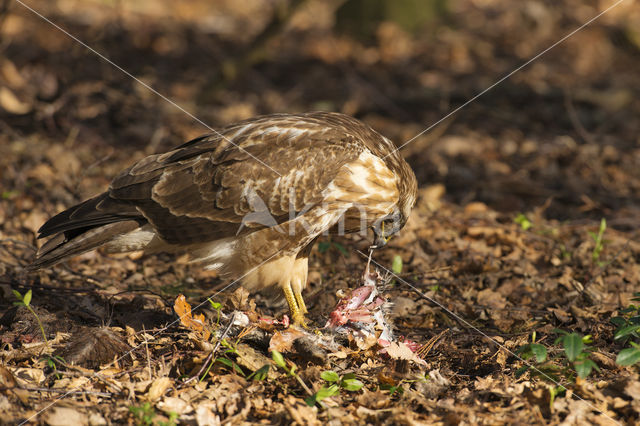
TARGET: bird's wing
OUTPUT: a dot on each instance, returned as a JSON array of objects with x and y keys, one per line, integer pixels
[{"x": 212, "y": 187}]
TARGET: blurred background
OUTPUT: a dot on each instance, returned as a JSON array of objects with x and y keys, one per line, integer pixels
[{"x": 562, "y": 134}]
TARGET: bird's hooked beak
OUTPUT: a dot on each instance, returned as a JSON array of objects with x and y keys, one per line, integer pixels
[{"x": 386, "y": 227}]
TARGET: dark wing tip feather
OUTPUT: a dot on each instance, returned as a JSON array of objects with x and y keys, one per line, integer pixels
[
  {"x": 83, "y": 227},
  {"x": 64, "y": 220},
  {"x": 88, "y": 214}
]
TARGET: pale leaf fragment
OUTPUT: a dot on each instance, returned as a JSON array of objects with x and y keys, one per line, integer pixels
[
  {"x": 10, "y": 103},
  {"x": 398, "y": 350},
  {"x": 158, "y": 388}
]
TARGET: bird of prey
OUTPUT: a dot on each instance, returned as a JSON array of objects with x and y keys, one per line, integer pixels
[{"x": 248, "y": 201}]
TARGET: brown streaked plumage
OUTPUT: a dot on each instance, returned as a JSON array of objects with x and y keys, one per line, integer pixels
[{"x": 249, "y": 201}]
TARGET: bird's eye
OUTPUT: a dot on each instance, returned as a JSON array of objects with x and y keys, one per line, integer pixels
[{"x": 389, "y": 222}]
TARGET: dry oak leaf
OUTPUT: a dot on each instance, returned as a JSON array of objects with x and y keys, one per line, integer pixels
[{"x": 192, "y": 322}]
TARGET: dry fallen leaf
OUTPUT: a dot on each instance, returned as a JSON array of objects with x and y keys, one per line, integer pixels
[
  {"x": 205, "y": 414},
  {"x": 398, "y": 350},
  {"x": 7, "y": 380},
  {"x": 239, "y": 300},
  {"x": 436, "y": 385},
  {"x": 12, "y": 75},
  {"x": 562, "y": 315},
  {"x": 158, "y": 388},
  {"x": 282, "y": 341},
  {"x": 193, "y": 322},
  {"x": 633, "y": 389},
  {"x": 63, "y": 416},
  {"x": 301, "y": 413},
  {"x": 31, "y": 376},
  {"x": 253, "y": 360},
  {"x": 10, "y": 103},
  {"x": 491, "y": 298},
  {"x": 174, "y": 404},
  {"x": 8, "y": 384}
]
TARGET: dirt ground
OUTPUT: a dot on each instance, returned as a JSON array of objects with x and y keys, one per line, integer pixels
[{"x": 506, "y": 245}]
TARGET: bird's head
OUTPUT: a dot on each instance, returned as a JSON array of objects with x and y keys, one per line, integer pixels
[{"x": 387, "y": 226}]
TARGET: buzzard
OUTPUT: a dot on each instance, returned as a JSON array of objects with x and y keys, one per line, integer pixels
[{"x": 248, "y": 201}]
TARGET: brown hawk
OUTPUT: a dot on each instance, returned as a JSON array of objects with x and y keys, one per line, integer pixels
[{"x": 248, "y": 201}]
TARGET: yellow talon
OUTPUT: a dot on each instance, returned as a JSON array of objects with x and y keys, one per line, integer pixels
[
  {"x": 296, "y": 305},
  {"x": 301, "y": 321}
]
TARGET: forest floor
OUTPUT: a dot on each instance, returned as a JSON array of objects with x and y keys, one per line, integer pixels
[{"x": 506, "y": 246}]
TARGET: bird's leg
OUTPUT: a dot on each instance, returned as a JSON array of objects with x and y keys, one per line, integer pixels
[
  {"x": 298, "y": 282},
  {"x": 297, "y": 313},
  {"x": 300, "y": 300}
]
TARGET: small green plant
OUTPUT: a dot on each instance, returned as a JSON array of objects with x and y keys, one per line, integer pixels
[
  {"x": 173, "y": 420},
  {"x": 599, "y": 241},
  {"x": 348, "y": 382},
  {"x": 564, "y": 252},
  {"x": 225, "y": 360},
  {"x": 145, "y": 414},
  {"x": 228, "y": 363},
  {"x": 522, "y": 220},
  {"x": 628, "y": 321},
  {"x": 26, "y": 302},
  {"x": 555, "y": 391},
  {"x": 7, "y": 195},
  {"x": 218, "y": 307},
  {"x": 577, "y": 352},
  {"x": 260, "y": 374},
  {"x": 396, "y": 265},
  {"x": 393, "y": 389},
  {"x": 554, "y": 369},
  {"x": 576, "y": 358},
  {"x": 52, "y": 362},
  {"x": 628, "y": 330},
  {"x": 324, "y": 393},
  {"x": 542, "y": 368},
  {"x": 629, "y": 356},
  {"x": 533, "y": 349},
  {"x": 279, "y": 361}
]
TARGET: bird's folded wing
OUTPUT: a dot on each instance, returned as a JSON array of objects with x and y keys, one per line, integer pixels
[{"x": 211, "y": 188}]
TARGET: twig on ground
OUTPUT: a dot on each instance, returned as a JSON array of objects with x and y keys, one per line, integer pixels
[
  {"x": 146, "y": 346},
  {"x": 80, "y": 372},
  {"x": 424, "y": 350},
  {"x": 215, "y": 349},
  {"x": 68, "y": 392}
]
